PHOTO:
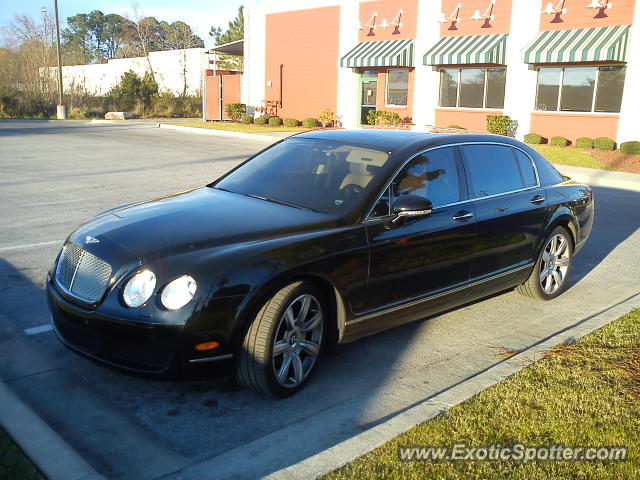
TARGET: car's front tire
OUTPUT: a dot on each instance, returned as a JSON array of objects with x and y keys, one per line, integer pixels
[
  {"x": 549, "y": 276},
  {"x": 283, "y": 343}
]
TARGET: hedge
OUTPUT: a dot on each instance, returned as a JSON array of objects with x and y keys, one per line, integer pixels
[
  {"x": 533, "y": 138},
  {"x": 291, "y": 122},
  {"x": 310, "y": 122},
  {"x": 235, "y": 110},
  {"x": 263, "y": 120},
  {"x": 247, "y": 119},
  {"x": 275, "y": 121},
  {"x": 604, "y": 143},
  {"x": 630, "y": 147},
  {"x": 584, "y": 142},
  {"x": 559, "y": 141}
]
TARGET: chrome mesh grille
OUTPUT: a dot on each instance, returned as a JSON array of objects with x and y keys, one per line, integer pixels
[{"x": 82, "y": 274}]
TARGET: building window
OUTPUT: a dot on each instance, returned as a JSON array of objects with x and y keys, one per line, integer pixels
[
  {"x": 580, "y": 89},
  {"x": 397, "y": 87},
  {"x": 472, "y": 87}
]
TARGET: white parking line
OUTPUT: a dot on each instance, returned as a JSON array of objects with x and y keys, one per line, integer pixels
[
  {"x": 28, "y": 245},
  {"x": 40, "y": 329}
]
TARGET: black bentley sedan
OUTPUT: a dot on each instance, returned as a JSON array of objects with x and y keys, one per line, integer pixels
[{"x": 326, "y": 236}]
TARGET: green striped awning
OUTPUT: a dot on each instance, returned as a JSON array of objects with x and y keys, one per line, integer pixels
[
  {"x": 384, "y": 53},
  {"x": 596, "y": 44},
  {"x": 468, "y": 50}
]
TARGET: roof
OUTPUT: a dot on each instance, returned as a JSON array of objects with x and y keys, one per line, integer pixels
[{"x": 231, "y": 48}]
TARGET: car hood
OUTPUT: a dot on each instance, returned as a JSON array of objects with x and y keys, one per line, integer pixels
[{"x": 197, "y": 219}]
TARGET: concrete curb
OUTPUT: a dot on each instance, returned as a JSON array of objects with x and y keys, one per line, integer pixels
[
  {"x": 46, "y": 449},
  {"x": 344, "y": 452},
  {"x": 225, "y": 133},
  {"x": 602, "y": 178}
]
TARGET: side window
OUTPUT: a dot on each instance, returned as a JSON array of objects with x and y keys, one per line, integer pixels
[
  {"x": 432, "y": 175},
  {"x": 526, "y": 168},
  {"x": 491, "y": 169}
]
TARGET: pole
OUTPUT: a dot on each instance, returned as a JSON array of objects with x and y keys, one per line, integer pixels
[{"x": 61, "y": 110}]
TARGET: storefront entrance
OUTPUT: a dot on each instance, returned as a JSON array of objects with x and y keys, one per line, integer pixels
[{"x": 368, "y": 92}]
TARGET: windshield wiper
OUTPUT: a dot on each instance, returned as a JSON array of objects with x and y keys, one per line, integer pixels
[{"x": 280, "y": 202}]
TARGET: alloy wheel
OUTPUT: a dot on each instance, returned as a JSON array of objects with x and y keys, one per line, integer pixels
[
  {"x": 297, "y": 341},
  {"x": 556, "y": 258}
]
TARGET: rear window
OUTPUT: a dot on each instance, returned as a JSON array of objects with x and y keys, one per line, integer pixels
[
  {"x": 526, "y": 168},
  {"x": 491, "y": 169}
]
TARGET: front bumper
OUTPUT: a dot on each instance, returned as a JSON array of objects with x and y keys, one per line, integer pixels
[{"x": 127, "y": 345}]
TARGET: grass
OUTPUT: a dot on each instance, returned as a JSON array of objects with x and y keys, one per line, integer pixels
[
  {"x": 587, "y": 393},
  {"x": 13, "y": 463},
  {"x": 239, "y": 127},
  {"x": 569, "y": 156}
]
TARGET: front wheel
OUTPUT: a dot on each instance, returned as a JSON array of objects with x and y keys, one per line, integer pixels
[
  {"x": 283, "y": 343},
  {"x": 549, "y": 276}
]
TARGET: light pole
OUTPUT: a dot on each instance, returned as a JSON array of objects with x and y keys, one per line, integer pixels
[
  {"x": 43, "y": 10},
  {"x": 61, "y": 109}
]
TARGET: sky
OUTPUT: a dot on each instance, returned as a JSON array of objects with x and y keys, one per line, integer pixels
[{"x": 200, "y": 15}]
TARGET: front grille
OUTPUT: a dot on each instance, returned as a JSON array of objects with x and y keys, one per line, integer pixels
[{"x": 82, "y": 274}]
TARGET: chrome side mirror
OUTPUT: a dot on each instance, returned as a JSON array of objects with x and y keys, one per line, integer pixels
[{"x": 411, "y": 206}]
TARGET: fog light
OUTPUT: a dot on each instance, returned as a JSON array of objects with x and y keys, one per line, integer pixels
[{"x": 207, "y": 346}]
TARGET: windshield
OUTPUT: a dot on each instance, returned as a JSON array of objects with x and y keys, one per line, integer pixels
[{"x": 321, "y": 175}]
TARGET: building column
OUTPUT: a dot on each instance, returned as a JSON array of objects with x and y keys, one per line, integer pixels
[
  {"x": 628, "y": 128},
  {"x": 520, "y": 91},
  {"x": 253, "y": 83},
  {"x": 426, "y": 82},
  {"x": 347, "y": 101}
]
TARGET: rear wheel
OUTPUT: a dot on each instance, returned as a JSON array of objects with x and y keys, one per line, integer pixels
[
  {"x": 549, "y": 277},
  {"x": 281, "y": 348}
]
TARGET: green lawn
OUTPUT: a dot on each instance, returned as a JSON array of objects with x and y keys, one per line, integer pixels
[
  {"x": 569, "y": 156},
  {"x": 239, "y": 127},
  {"x": 13, "y": 463},
  {"x": 583, "y": 394}
]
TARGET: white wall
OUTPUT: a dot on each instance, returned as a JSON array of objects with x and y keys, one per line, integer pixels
[
  {"x": 629, "y": 123},
  {"x": 348, "y": 92},
  {"x": 520, "y": 90},
  {"x": 171, "y": 69}
]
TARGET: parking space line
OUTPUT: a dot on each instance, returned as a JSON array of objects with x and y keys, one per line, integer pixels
[
  {"x": 28, "y": 245},
  {"x": 39, "y": 329}
]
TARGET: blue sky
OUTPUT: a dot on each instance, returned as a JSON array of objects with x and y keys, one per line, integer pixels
[{"x": 201, "y": 15}]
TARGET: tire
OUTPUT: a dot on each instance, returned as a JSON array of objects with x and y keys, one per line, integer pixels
[
  {"x": 549, "y": 276},
  {"x": 283, "y": 343}
]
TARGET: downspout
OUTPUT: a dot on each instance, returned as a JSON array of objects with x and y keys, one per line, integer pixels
[{"x": 280, "y": 81}]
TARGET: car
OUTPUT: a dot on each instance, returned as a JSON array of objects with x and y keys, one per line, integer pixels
[{"x": 322, "y": 238}]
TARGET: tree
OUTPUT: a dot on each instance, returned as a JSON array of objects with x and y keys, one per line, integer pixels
[
  {"x": 234, "y": 32},
  {"x": 77, "y": 39}
]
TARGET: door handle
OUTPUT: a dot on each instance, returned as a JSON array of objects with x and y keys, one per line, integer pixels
[
  {"x": 463, "y": 216},
  {"x": 537, "y": 199}
]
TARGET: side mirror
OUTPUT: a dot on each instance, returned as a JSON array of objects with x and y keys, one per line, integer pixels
[{"x": 411, "y": 206}]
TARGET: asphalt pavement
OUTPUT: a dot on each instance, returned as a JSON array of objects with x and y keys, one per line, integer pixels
[{"x": 54, "y": 175}]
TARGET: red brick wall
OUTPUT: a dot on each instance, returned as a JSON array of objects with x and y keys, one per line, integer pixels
[{"x": 305, "y": 42}]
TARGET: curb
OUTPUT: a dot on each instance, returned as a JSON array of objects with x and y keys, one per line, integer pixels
[
  {"x": 602, "y": 178},
  {"x": 344, "y": 452},
  {"x": 46, "y": 449},
  {"x": 225, "y": 133}
]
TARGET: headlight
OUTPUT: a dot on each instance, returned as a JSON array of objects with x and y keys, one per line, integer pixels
[
  {"x": 139, "y": 289},
  {"x": 179, "y": 292}
]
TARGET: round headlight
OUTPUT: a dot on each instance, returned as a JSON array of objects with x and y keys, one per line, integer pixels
[
  {"x": 178, "y": 292},
  {"x": 139, "y": 288}
]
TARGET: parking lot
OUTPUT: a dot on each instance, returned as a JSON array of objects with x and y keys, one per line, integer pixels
[{"x": 54, "y": 175}]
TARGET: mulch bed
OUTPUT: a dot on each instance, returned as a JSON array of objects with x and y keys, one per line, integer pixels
[{"x": 623, "y": 162}]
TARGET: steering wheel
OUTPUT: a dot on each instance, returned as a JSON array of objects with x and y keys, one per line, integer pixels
[{"x": 351, "y": 190}]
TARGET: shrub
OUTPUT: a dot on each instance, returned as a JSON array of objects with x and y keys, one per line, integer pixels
[
  {"x": 291, "y": 122},
  {"x": 559, "y": 141},
  {"x": 235, "y": 111},
  {"x": 584, "y": 142},
  {"x": 167, "y": 105},
  {"x": 275, "y": 121},
  {"x": 381, "y": 117},
  {"x": 246, "y": 119},
  {"x": 501, "y": 125},
  {"x": 326, "y": 117},
  {"x": 456, "y": 126},
  {"x": 407, "y": 121},
  {"x": 630, "y": 147},
  {"x": 533, "y": 138},
  {"x": 604, "y": 143},
  {"x": 133, "y": 92},
  {"x": 263, "y": 120},
  {"x": 310, "y": 122}
]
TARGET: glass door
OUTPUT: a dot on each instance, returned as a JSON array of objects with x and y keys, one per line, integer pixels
[{"x": 368, "y": 92}]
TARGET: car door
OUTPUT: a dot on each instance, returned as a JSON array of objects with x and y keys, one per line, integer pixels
[
  {"x": 510, "y": 206},
  {"x": 423, "y": 254}
]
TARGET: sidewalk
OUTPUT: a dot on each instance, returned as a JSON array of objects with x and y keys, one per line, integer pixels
[{"x": 602, "y": 178}]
